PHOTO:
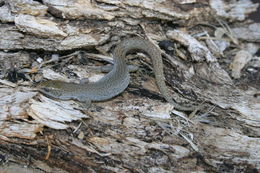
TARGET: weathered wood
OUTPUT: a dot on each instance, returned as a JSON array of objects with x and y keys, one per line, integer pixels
[{"x": 136, "y": 131}]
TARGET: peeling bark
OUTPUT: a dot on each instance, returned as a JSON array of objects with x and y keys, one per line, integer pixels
[{"x": 210, "y": 58}]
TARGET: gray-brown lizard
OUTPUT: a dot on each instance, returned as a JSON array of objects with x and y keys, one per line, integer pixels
[{"x": 116, "y": 81}]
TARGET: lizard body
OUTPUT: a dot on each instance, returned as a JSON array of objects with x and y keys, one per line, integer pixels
[{"x": 116, "y": 81}]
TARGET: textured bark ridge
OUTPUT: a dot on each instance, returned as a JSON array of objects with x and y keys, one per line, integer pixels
[{"x": 210, "y": 59}]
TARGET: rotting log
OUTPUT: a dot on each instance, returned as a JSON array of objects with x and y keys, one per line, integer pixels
[{"x": 210, "y": 59}]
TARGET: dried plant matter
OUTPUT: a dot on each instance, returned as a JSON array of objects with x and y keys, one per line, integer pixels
[{"x": 210, "y": 57}]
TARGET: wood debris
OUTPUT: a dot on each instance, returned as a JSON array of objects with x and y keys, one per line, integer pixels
[{"x": 211, "y": 59}]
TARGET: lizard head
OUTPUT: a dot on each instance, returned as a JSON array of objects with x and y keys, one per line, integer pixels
[
  {"x": 51, "y": 88},
  {"x": 51, "y": 84}
]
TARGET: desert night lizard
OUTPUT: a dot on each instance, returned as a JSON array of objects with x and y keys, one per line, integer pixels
[{"x": 116, "y": 81}]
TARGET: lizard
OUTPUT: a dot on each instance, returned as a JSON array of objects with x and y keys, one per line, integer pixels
[{"x": 115, "y": 81}]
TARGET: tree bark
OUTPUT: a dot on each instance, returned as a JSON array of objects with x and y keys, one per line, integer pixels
[{"x": 210, "y": 58}]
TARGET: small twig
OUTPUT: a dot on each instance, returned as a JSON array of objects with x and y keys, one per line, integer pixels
[{"x": 77, "y": 128}]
